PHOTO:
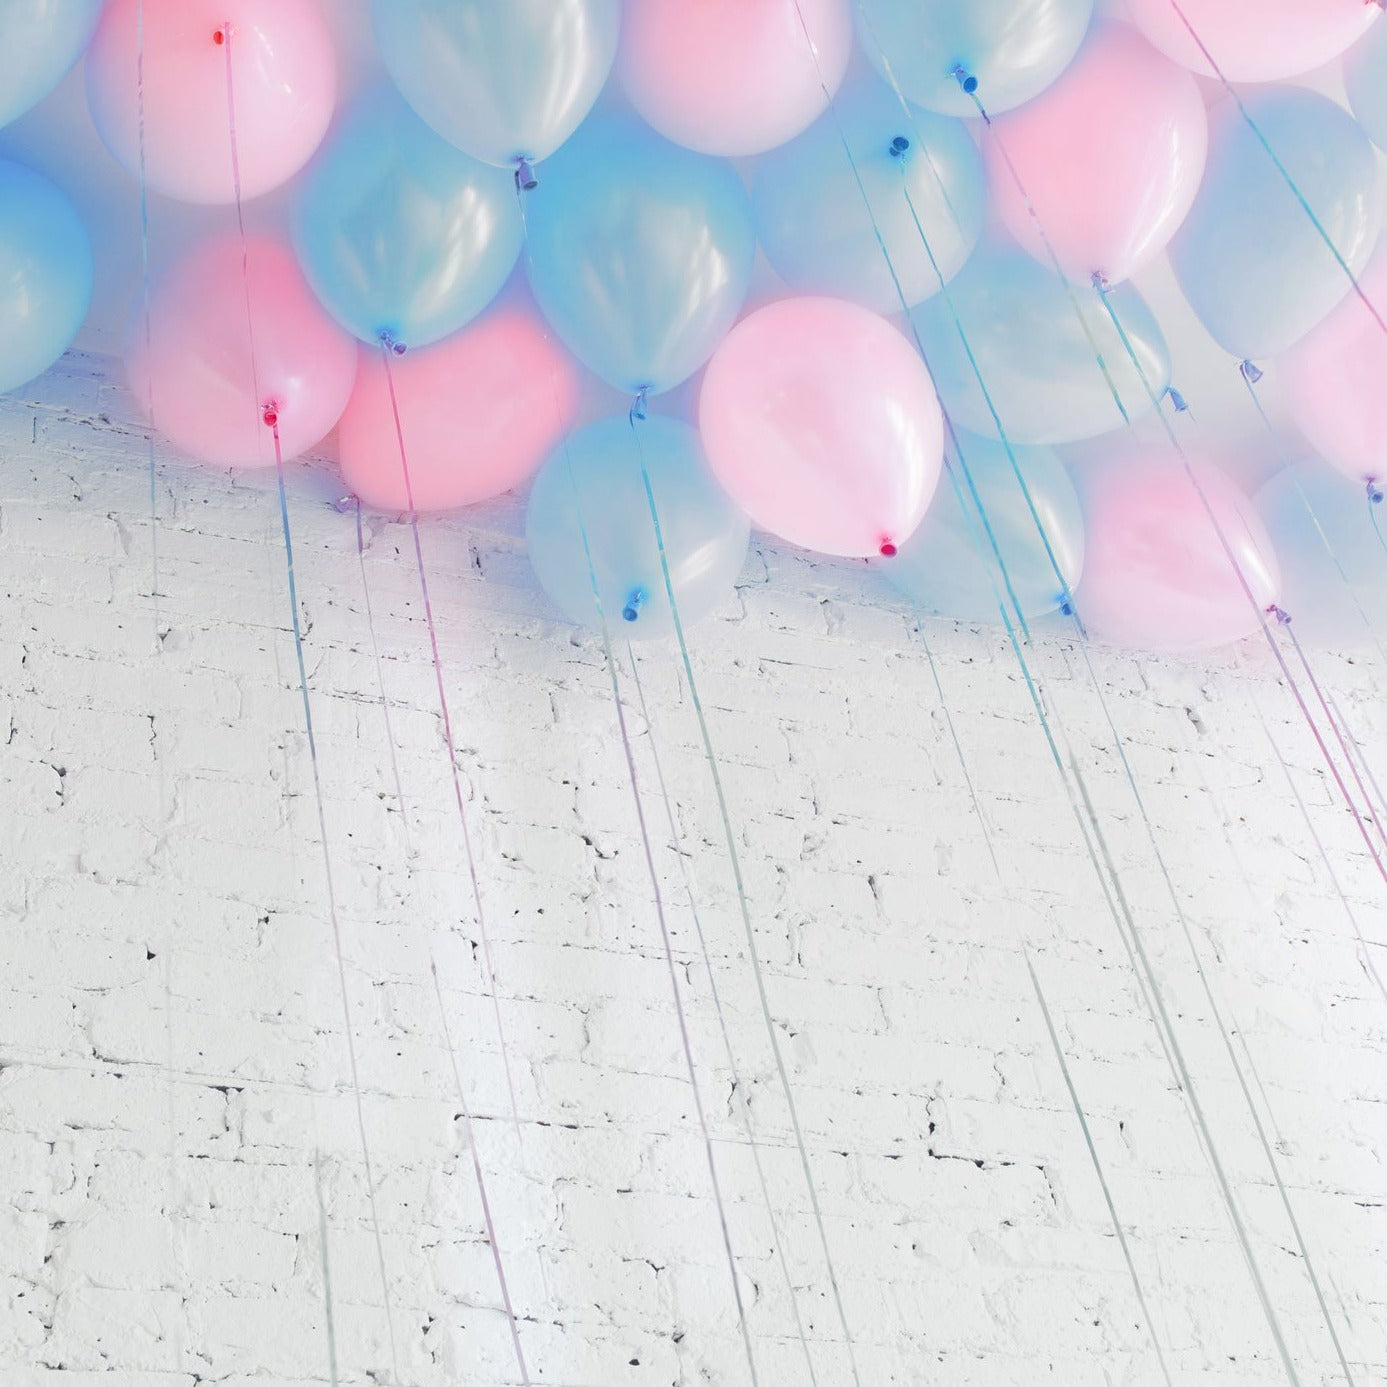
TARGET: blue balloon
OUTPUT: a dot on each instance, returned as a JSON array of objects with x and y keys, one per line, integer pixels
[
  {"x": 949, "y": 565},
  {"x": 640, "y": 253},
  {"x": 1036, "y": 353},
  {"x": 1011, "y": 50},
  {"x": 593, "y": 482},
  {"x": 923, "y": 180},
  {"x": 1333, "y": 563},
  {"x": 1365, "y": 77},
  {"x": 45, "y": 271},
  {"x": 400, "y": 232},
  {"x": 505, "y": 80},
  {"x": 1248, "y": 257},
  {"x": 40, "y": 40}
]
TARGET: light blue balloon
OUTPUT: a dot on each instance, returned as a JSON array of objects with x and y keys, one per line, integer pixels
[
  {"x": 1365, "y": 76},
  {"x": 45, "y": 274},
  {"x": 640, "y": 253},
  {"x": 923, "y": 179},
  {"x": 1033, "y": 351},
  {"x": 39, "y": 41},
  {"x": 400, "y": 232},
  {"x": 1333, "y": 564},
  {"x": 593, "y": 481},
  {"x": 1012, "y": 49},
  {"x": 503, "y": 79},
  {"x": 949, "y": 565},
  {"x": 1248, "y": 257}
]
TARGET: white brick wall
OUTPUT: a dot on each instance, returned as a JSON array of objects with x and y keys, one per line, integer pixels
[{"x": 172, "y": 1050}]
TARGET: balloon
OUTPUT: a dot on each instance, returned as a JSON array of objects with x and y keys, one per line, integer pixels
[
  {"x": 733, "y": 76},
  {"x": 1253, "y": 40},
  {"x": 39, "y": 41},
  {"x": 820, "y": 419},
  {"x": 1110, "y": 158},
  {"x": 640, "y": 253},
  {"x": 1012, "y": 49},
  {"x": 285, "y": 85},
  {"x": 1333, "y": 563},
  {"x": 949, "y": 565},
  {"x": 593, "y": 483},
  {"x": 1249, "y": 259},
  {"x": 503, "y": 79},
  {"x": 1365, "y": 76},
  {"x": 1156, "y": 574},
  {"x": 209, "y": 375},
  {"x": 816, "y": 230},
  {"x": 1034, "y": 354},
  {"x": 46, "y": 271},
  {"x": 400, "y": 232},
  {"x": 478, "y": 412},
  {"x": 1332, "y": 379}
]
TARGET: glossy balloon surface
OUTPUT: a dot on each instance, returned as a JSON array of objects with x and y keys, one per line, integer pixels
[{"x": 40, "y": 40}]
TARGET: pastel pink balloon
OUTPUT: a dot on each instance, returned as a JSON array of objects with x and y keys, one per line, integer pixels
[
  {"x": 284, "y": 80},
  {"x": 479, "y": 412},
  {"x": 1156, "y": 574},
  {"x": 1253, "y": 40},
  {"x": 820, "y": 420},
  {"x": 1333, "y": 379},
  {"x": 733, "y": 76},
  {"x": 210, "y": 377},
  {"x": 1110, "y": 156}
]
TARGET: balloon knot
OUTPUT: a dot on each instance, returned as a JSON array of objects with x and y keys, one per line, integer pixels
[
  {"x": 899, "y": 146},
  {"x": 219, "y": 35},
  {"x": 270, "y": 415},
  {"x": 387, "y": 339},
  {"x": 638, "y": 405},
  {"x": 964, "y": 78},
  {"x": 1251, "y": 372},
  {"x": 1177, "y": 399},
  {"x": 349, "y": 502},
  {"x": 1066, "y": 606},
  {"x": 525, "y": 178},
  {"x": 888, "y": 550},
  {"x": 1374, "y": 491},
  {"x": 1100, "y": 281},
  {"x": 1282, "y": 616},
  {"x": 634, "y": 602}
]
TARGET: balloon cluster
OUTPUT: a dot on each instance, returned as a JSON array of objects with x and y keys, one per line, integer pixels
[{"x": 954, "y": 224}]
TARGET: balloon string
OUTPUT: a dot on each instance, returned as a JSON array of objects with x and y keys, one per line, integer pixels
[
  {"x": 1277, "y": 653},
  {"x": 471, "y": 1138},
  {"x": 329, "y": 1318},
  {"x": 520, "y": 190},
  {"x": 745, "y": 909},
  {"x": 1249, "y": 381},
  {"x": 1377, "y": 528},
  {"x": 489, "y": 972},
  {"x": 660, "y": 916},
  {"x": 739, "y": 1089},
  {"x": 1173, "y": 1050},
  {"x": 148, "y": 329},
  {"x": 1376, "y": 800},
  {"x": 380, "y": 680},
  {"x": 1281, "y": 167},
  {"x": 270, "y": 416}
]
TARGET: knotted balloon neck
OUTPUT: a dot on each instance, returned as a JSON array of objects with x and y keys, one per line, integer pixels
[
  {"x": 1374, "y": 491},
  {"x": 386, "y": 338},
  {"x": 635, "y": 600},
  {"x": 269, "y": 415},
  {"x": 1066, "y": 604},
  {"x": 1251, "y": 371},
  {"x": 638, "y": 405},
  {"x": 1100, "y": 281},
  {"x": 1283, "y": 617},
  {"x": 219, "y": 36},
  {"x": 964, "y": 78},
  {"x": 1177, "y": 399},
  {"x": 888, "y": 549},
  {"x": 525, "y": 176},
  {"x": 900, "y": 147}
]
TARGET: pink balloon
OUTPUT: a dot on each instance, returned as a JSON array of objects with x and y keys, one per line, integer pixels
[
  {"x": 1156, "y": 574},
  {"x": 1334, "y": 377},
  {"x": 1253, "y": 40},
  {"x": 479, "y": 412},
  {"x": 733, "y": 76},
  {"x": 209, "y": 379},
  {"x": 284, "y": 79},
  {"x": 1111, "y": 156},
  {"x": 821, "y": 421}
]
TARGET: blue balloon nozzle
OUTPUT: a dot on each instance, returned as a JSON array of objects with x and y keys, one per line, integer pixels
[
  {"x": 638, "y": 405},
  {"x": 1251, "y": 372},
  {"x": 1177, "y": 399},
  {"x": 1374, "y": 491},
  {"x": 386, "y": 337},
  {"x": 899, "y": 146},
  {"x": 964, "y": 78},
  {"x": 1282, "y": 616},
  {"x": 634, "y": 601},
  {"x": 525, "y": 177}
]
